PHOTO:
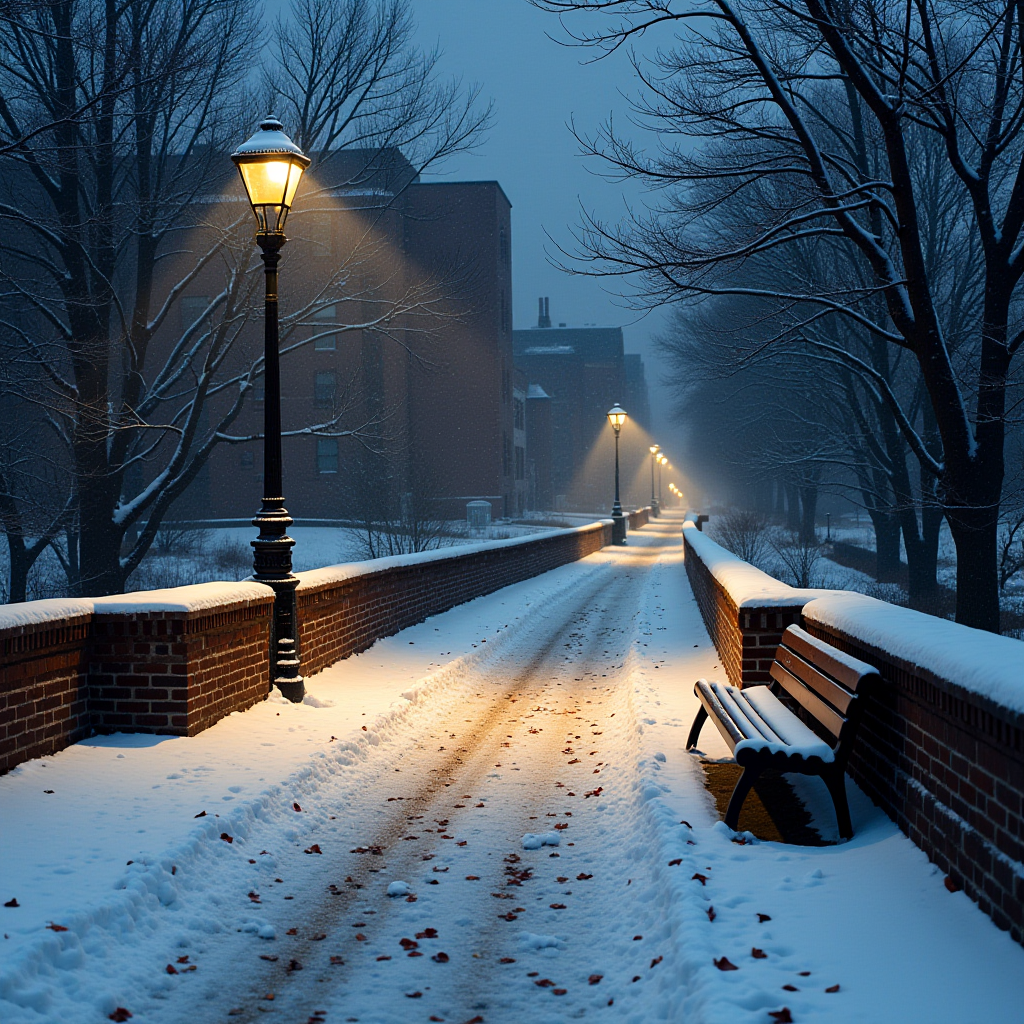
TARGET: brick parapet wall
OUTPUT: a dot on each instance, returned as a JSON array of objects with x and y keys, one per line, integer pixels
[
  {"x": 639, "y": 517},
  {"x": 156, "y": 663},
  {"x": 340, "y": 618},
  {"x": 947, "y": 766},
  {"x": 43, "y": 701},
  {"x": 746, "y": 638},
  {"x": 176, "y": 672}
]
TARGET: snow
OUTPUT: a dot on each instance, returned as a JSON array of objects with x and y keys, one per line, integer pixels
[
  {"x": 766, "y": 722},
  {"x": 36, "y": 613},
  {"x": 398, "y": 888},
  {"x": 747, "y": 585},
  {"x": 535, "y": 840},
  {"x": 980, "y": 662},
  {"x": 334, "y": 574},
  {"x": 195, "y": 598},
  {"x": 403, "y": 733}
]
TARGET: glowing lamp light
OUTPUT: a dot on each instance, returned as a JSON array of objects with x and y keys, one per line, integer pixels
[
  {"x": 271, "y": 167},
  {"x": 654, "y": 449},
  {"x": 616, "y": 417}
]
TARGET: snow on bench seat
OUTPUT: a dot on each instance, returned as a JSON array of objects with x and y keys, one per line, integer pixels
[{"x": 765, "y": 722}]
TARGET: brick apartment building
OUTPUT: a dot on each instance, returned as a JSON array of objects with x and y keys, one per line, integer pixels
[
  {"x": 579, "y": 372},
  {"x": 396, "y": 327}
]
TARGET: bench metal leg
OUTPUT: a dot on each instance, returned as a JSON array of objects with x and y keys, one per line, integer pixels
[
  {"x": 836, "y": 782},
  {"x": 739, "y": 794},
  {"x": 698, "y": 724}
]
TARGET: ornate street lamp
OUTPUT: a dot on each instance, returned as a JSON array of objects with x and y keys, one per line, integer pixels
[
  {"x": 662, "y": 461},
  {"x": 271, "y": 165},
  {"x": 654, "y": 449},
  {"x": 616, "y": 417}
]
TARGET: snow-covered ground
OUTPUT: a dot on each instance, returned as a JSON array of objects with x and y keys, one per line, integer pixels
[{"x": 513, "y": 773}]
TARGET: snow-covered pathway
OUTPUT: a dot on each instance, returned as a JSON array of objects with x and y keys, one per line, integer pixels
[{"x": 513, "y": 773}]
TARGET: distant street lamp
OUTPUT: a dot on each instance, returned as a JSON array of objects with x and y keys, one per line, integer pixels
[
  {"x": 616, "y": 417},
  {"x": 662, "y": 461},
  {"x": 655, "y": 508},
  {"x": 271, "y": 165}
]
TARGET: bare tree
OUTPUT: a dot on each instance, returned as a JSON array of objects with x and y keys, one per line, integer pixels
[
  {"x": 755, "y": 74},
  {"x": 113, "y": 209}
]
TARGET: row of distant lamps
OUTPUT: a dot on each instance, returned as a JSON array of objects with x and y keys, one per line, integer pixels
[
  {"x": 271, "y": 166},
  {"x": 617, "y": 416}
]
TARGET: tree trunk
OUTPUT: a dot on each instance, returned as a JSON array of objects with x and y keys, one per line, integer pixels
[
  {"x": 792, "y": 507},
  {"x": 809, "y": 505},
  {"x": 887, "y": 546},
  {"x": 975, "y": 533}
]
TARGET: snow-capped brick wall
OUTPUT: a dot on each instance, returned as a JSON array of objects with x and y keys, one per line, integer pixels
[
  {"x": 941, "y": 746},
  {"x": 639, "y": 517},
  {"x": 43, "y": 660},
  {"x": 344, "y": 609},
  {"x": 171, "y": 661},
  {"x": 744, "y": 609},
  {"x": 177, "y": 661}
]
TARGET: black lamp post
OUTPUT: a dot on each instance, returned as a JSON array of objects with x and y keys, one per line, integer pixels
[
  {"x": 616, "y": 417},
  {"x": 271, "y": 165},
  {"x": 662, "y": 461},
  {"x": 655, "y": 507}
]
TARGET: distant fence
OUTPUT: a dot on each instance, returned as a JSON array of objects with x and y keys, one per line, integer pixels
[
  {"x": 176, "y": 661},
  {"x": 941, "y": 745}
]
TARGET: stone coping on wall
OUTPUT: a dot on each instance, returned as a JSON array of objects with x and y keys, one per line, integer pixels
[
  {"x": 746, "y": 585},
  {"x": 329, "y": 575},
  {"x": 966, "y": 662}
]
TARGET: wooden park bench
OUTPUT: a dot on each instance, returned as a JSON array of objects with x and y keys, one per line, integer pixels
[{"x": 763, "y": 733}]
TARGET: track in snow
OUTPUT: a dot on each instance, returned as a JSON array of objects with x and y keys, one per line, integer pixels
[{"x": 520, "y": 742}]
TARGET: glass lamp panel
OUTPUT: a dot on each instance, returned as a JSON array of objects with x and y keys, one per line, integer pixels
[{"x": 266, "y": 181}]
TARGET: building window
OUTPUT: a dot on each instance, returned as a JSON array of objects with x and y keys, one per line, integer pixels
[
  {"x": 519, "y": 413},
  {"x": 192, "y": 309},
  {"x": 327, "y": 455},
  {"x": 323, "y": 389},
  {"x": 246, "y": 460},
  {"x": 506, "y": 455},
  {"x": 520, "y": 463},
  {"x": 322, "y": 319}
]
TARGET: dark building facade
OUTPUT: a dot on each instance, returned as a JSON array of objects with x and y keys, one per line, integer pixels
[
  {"x": 582, "y": 372},
  {"x": 397, "y": 365}
]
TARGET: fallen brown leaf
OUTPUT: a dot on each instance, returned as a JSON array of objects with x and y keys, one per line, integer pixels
[
  {"x": 758, "y": 954},
  {"x": 725, "y": 964},
  {"x": 657, "y": 960},
  {"x": 440, "y": 958},
  {"x": 699, "y": 878},
  {"x": 120, "y": 1015},
  {"x": 782, "y": 1016},
  {"x": 762, "y": 918},
  {"x": 56, "y": 928},
  {"x": 296, "y": 807},
  {"x": 12, "y": 903},
  {"x": 227, "y": 838},
  {"x": 711, "y": 913},
  {"x": 594, "y": 979},
  {"x": 315, "y": 848},
  {"x": 832, "y": 988}
]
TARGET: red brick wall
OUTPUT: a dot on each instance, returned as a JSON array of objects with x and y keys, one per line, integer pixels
[
  {"x": 639, "y": 517},
  {"x": 344, "y": 617},
  {"x": 178, "y": 672},
  {"x": 945, "y": 764},
  {"x": 948, "y": 767},
  {"x": 43, "y": 705},
  {"x": 746, "y": 639},
  {"x": 141, "y": 669}
]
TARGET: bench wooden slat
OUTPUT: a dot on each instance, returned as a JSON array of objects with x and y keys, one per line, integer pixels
[
  {"x": 831, "y": 691},
  {"x": 795, "y": 687},
  {"x": 850, "y": 672},
  {"x": 722, "y": 717}
]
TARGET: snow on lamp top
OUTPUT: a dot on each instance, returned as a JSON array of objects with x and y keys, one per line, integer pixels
[{"x": 271, "y": 166}]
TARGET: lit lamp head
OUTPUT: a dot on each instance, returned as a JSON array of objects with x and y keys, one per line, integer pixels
[
  {"x": 271, "y": 166},
  {"x": 616, "y": 417},
  {"x": 654, "y": 449},
  {"x": 662, "y": 460}
]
